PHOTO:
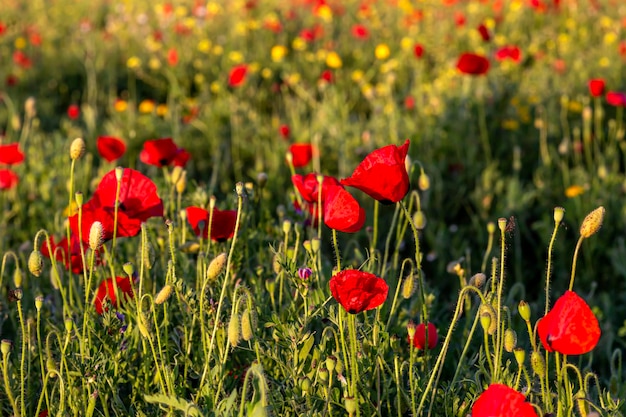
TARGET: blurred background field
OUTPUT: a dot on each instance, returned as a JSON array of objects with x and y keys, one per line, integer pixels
[{"x": 347, "y": 76}]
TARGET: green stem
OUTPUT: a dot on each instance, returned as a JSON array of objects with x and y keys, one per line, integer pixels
[
  {"x": 336, "y": 246},
  {"x": 571, "y": 280}
]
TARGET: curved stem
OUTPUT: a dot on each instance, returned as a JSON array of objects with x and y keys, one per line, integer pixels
[{"x": 571, "y": 280}]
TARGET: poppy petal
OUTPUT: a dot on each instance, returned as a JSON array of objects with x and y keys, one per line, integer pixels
[
  {"x": 342, "y": 212},
  {"x": 10, "y": 154},
  {"x": 110, "y": 148},
  {"x": 502, "y": 401},
  {"x": 358, "y": 291}
]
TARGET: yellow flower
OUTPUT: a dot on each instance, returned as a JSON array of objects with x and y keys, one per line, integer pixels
[
  {"x": 154, "y": 63},
  {"x": 382, "y": 51},
  {"x": 133, "y": 62},
  {"x": 604, "y": 62},
  {"x": 574, "y": 191},
  {"x": 204, "y": 46},
  {"x": 357, "y": 75},
  {"x": 215, "y": 87},
  {"x": 161, "y": 110},
  {"x": 575, "y": 106},
  {"x": 199, "y": 79},
  {"x": 120, "y": 105},
  {"x": 218, "y": 50},
  {"x": 298, "y": 44},
  {"x": 510, "y": 124},
  {"x": 609, "y": 38},
  {"x": 406, "y": 43},
  {"x": 20, "y": 43},
  {"x": 333, "y": 60},
  {"x": 324, "y": 12},
  {"x": 278, "y": 52},
  {"x": 146, "y": 106},
  {"x": 235, "y": 57},
  {"x": 266, "y": 73}
]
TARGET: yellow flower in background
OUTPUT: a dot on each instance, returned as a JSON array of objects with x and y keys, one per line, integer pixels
[
  {"x": 254, "y": 67},
  {"x": 293, "y": 78},
  {"x": 253, "y": 24},
  {"x": 298, "y": 44},
  {"x": 241, "y": 28},
  {"x": 575, "y": 106},
  {"x": 180, "y": 11},
  {"x": 70, "y": 210},
  {"x": 266, "y": 73},
  {"x": 213, "y": 8},
  {"x": 499, "y": 39},
  {"x": 133, "y": 62},
  {"x": 389, "y": 66},
  {"x": 606, "y": 22},
  {"x": 161, "y": 110},
  {"x": 574, "y": 191},
  {"x": 154, "y": 63},
  {"x": 218, "y": 50},
  {"x": 204, "y": 46},
  {"x": 120, "y": 105},
  {"x": 278, "y": 52},
  {"x": 333, "y": 60},
  {"x": 235, "y": 57},
  {"x": 20, "y": 43},
  {"x": 406, "y": 43},
  {"x": 146, "y": 106},
  {"x": 609, "y": 38},
  {"x": 324, "y": 12},
  {"x": 357, "y": 75},
  {"x": 510, "y": 124},
  {"x": 382, "y": 51},
  {"x": 199, "y": 79},
  {"x": 604, "y": 62},
  {"x": 215, "y": 87}
]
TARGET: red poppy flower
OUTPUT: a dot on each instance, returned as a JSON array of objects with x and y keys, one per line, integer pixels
[
  {"x": 73, "y": 111},
  {"x": 472, "y": 64},
  {"x": 237, "y": 75},
  {"x": 159, "y": 152},
  {"x": 418, "y": 50},
  {"x": 509, "y": 52},
  {"x": 327, "y": 76},
  {"x": 182, "y": 157},
  {"x": 419, "y": 339},
  {"x": 342, "y": 212},
  {"x": 106, "y": 293},
  {"x": 284, "y": 131},
  {"x": 10, "y": 154},
  {"x": 22, "y": 60},
  {"x": 616, "y": 98},
  {"x": 138, "y": 201},
  {"x": 68, "y": 255},
  {"x": 382, "y": 174},
  {"x": 570, "y": 327},
  {"x": 302, "y": 154},
  {"x": 501, "y": 401},
  {"x": 360, "y": 32},
  {"x": 596, "y": 87},
  {"x": 172, "y": 57},
  {"x": 484, "y": 32},
  {"x": 308, "y": 187},
  {"x": 8, "y": 179},
  {"x": 358, "y": 291},
  {"x": 409, "y": 102},
  {"x": 223, "y": 223},
  {"x": 110, "y": 148}
]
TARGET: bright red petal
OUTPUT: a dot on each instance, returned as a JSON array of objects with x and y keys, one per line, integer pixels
[
  {"x": 110, "y": 148},
  {"x": 106, "y": 292},
  {"x": 8, "y": 179},
  {"x": 501, "y": 401},
  {"x": 419, "y": 340},
  {"x": 10, "y": 154},
  {"x": 342, "y": 212},
  {"x": 159, "y": 152},
  {"x": 302, "y": 154},
  {"x": 358, "y": 291},
  {"x": 473, "y": 64}
]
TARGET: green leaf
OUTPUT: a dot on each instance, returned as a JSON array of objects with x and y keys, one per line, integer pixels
[{"x": 186, "y": 407}]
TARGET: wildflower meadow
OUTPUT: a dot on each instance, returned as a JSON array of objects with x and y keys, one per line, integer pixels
[{"x": 313, "y": 208}]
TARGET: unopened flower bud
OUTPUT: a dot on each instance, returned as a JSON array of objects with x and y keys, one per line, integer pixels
[
  {"x": 234, "y": 330},
  {"x": 17, "y": 277},
  {"x": 510, "y": 340},
  {"x": 261, "y": 179},
  {"x": 69, "y": 324},
  {"x": 176, "y": 174},
  {"x": 181, "y": 184},
  {"x": 491, "y": 227},
  {"x": 247, "y": 332},
  {"x": 478, "y": 280},
  {"x": 315, "y": 244},
  {"x": 164, "y": 294},
  {"x": 96, "y": 234},
  {"x": 286, "y": 226},
  {"x": 423, "y": 181},
  {"x": 524, "y": 310},
  {"x": 488, "y": 318},
  {"x": 520, "y": 356},
  {"x": 323, "y": 374},
  {"x": 216, "y": 266},
  {"x": 537, "y": 363},
  {"x": 119, "y": 173},
  {"x": 592, "y": 223},
  {"x": 305, "y": 384},
  {"x": 35, "y": 263},
  {"x": 408, "y": 287},
  {"x": 559, "y": 213},
  {"x": 77, "y": 149},
  {"x": 331, "y": 362},
  {"x": 419, "y": 220}
]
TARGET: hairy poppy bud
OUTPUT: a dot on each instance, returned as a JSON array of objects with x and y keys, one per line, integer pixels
[
  {"x": 488, "y": 318},
  {"x": 520, "y": 356},
  {"x": 96, "y": 234},
  {"x": 234, "y": 330},
  {"x": 323, "y": 374},
  {"x": 478, "y": 280},
  {"x": 331, "y": 362},
  {"x": 35, "y": 263},
  {"x": 216, "y": 266},
  {"x": 423, "y": 182},
  {"x": 592, "y": 223},
  {"x": 17, "y": 277},
  {"x": 510, "y": 340},
  {"x": 164, "y": 294},
  {"x": 77, "y": 149},
  {"x": 524, "y": 310},
  {"x": 408, "y": 287},
  {"x": 181, "y": 184},
  {"x": 537, "y": 363},
  {"x": 419, "y": 220},
  {"x": 247, "y": 333}
]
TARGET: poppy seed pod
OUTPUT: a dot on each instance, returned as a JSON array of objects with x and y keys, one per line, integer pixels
[
  {"x": 77, "y": 149},
  {"x": 592, "y": 223},
  {"x": 35, "y": 263},
  {"x": 5, "y": 346},
  {"x": 520, "y": 356}
]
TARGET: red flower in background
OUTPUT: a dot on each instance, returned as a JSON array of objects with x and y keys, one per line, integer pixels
[
  {"x": 222, "y": 227},
  {"x": 22, "y": 60},
  {"x": 419, "y": 339},
  {"x": 501, "y": 401},
  {"x": 472, "y": 64},
  {"x": 8, "y": 179},
  {"x": 360, "y": 32},
  {"x": 138, "y": 201},
  {"x": 418, "y": 50},
  {"x": 237, "y": 75},
  {"x": 106, "y": 293},
  {"x": 68, "y": 254},
  {"x": 484, "y": 32},
  {"x": 509, "y": 52},
  {"x": 382, "y": 174},
  {"x": 596, "y": 87},
  {"x": 308, "y": 187},
  {"x": 182, "y": 157},
  {"x": 341, "y": 211},
  {"x": 284, "y": 131},
  {"x": 302, "y": 154},
  {"x": 10, "y": 154},
  {"x": 616, "y": 98},
  {"x": 160, "y": 152},
  {"x": 110, "y": 148},
  {"x": 570, "y": 327},
  {"x": 358, "y": 291},
  {"x": 73, "y": 111},
  {"x": 327, "y": 76},
  {"x": 172, "y": 57}
]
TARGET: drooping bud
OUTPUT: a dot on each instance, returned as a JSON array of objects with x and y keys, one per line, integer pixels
[
  {"x": 488, "y": 318},
  {"x": 419, "y": 220},
  {"x": 247, "y": 333},
  {"x": 478, "y": 280},
  {"x": 17, "y": 277},
  {"x": 520, "y": 356},
  {"x": 35, "y": 263},
  {"x": 164, "y": 294},
  {"x": 77, "y": 149},
  {"x": 234, "y": 330},
  {"x": 592, "y": 223},
  {"x": 408, "y": 287},
  {"x": 423, "y": 182}
]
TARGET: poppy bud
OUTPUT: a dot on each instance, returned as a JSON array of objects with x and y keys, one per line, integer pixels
[
  {"x": 307, "y": 245},
  {"x": 35, "y": 263},
  {"x": 216, "y": 266},
  {"x": 119, "y": 173},
  {"x": 419, "y": 220},
  {"x": 510, "y": 340},
  {"x": 488, "y": 318},
  {"x": 331, "y": 362},
  {"x": 176, "y": 175},
  {"x": 78, "y": 197},
  {"x": 234, "y": 330},
  {"x": 491, "y": 227},
  {"x": 164, "y": 294},
  {"x": 5, "y": 346},
  {"x": 30, "y": 107},
  {"x": 502, "y": 224},
  {"x": 181, "y": 184},
  {"x": 559, "y": 212},
  {"x": 315, "y": 244},
  {"x": 261, "y": 179},
  {"x": 142, "y": 325},
  {"x": 38, "y": 302},
  {"x": 408, "y": 287},
  {"x": 423, "y": 181},
  {"x": 17, "y": 277},
  {"x": 520, "y": 356},
  {"x": 592, "y": 223},
  {"x": 129, "y": 269},
  {"x": 95, "y": 235},
  {"x": 537, "y": 363},
  {"x": 524, "y": 310},
  {"x": 239, "y": 189},
  {"x": 478, "y": 280},
  {"x": 286, "y": 226},
  {"x": 410, "y": 329},
  {"x": 51, "y": 367},
  {"x": 276, "y": 266},
  {"x": 77, "y": 149},
  {"x": 581, "y": 403},
  {"x": 247, "y": 333},
  {"x": 305, "y": 385},
  {"x": 18, "y": 294}
]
